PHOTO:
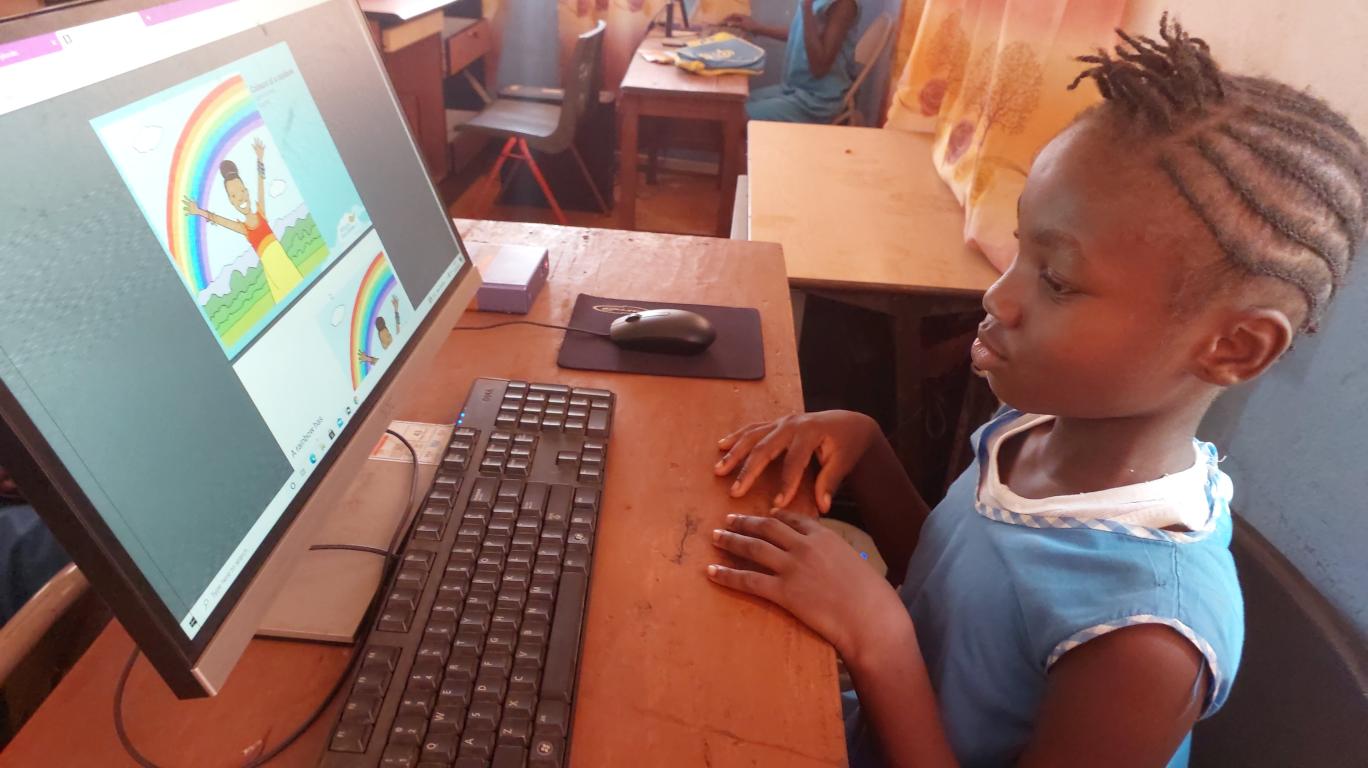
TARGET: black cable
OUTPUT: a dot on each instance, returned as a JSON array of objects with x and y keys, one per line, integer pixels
[
  {"x": 391, "y": 560},
  {"x": 530, "y": 322},
  {"x": 351, "y": 548}
]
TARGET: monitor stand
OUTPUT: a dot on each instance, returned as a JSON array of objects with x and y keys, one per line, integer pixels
[
  {"x": 329, "y": 590},
  {"x": 669, "y": 17}
]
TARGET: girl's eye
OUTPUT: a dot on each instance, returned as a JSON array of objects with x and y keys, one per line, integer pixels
[{"x": 1052, "y": 283}]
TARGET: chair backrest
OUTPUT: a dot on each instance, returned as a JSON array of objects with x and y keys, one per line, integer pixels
[
  {"x": 582, "y": 83},
  {"x": 1301, "y": 694},
  {"x": 867, "y": 52},
  {"x": 23, "y": 631}
]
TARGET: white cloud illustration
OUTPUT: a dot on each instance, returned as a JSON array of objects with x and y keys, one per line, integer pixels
[{"x": 147, "y": 139}]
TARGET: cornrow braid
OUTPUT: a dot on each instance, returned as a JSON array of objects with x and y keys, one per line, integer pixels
[{"x": 1278, "y": 178}]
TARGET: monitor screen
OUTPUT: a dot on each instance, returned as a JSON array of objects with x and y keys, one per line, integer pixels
[{"x": 218, "y": 237}]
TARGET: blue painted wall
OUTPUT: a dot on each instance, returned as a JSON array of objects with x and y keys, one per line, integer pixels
[{"x": 1295, "y": 441}]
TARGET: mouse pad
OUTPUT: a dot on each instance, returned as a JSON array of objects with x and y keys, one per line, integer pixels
[{"x": 738, "y": 352}]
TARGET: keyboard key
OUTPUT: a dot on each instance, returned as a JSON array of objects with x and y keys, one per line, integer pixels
[
  {"x": 466, "y": 433},
  {"x": 599, "y": 394},
  {"x": 533, "y": 408},
  {"x": 416, "y": 703},
  {"x": 440, "y": 748},
  {"x": 590, "y": 475},
  {"x": 394, "y": 619},
  {"x": 557, "y": 389},
  {"x": 462, "y": 666},
  {"x": 455, "y": 692},
  {"x": 583, "y": 518},
  {"x": 547, "y": 752},
  {"x": 518, "y": 467},
  {"x": 350, "y": 737},
  {"x": 579, "y": 401},
  {"x": 403, "y": 599},
  {"x": 535, "y": 397},
  {"x": 520, "y": 703},
  {"x": 477, "y": 745},
  {"x": 516, "y": 731},
  {"x": 425, "y": 675},
  {"x": 558, "y": 678},
  {"x": 553, "y": 423},
  {"x": 520, "y": 452},
  {"x": 577, "y": 412},
  {"x": 492, "y": 464},
  {"x": 598, "y": 422},
  {"x": 447, "y": 718},
  {"x": 400, "y": 756},
  {"x": 510, "y": 491},
  {"x": 361, "y": 709},
  {"x": 499, "y": 449},
  {"x": 497, "y": 660},
  {"x": 509, "y": 756},
  {"x": 531, "y": 650},
  {"x": 553, "y": 717},
  {"x": 483, "y": 493},
  {"x": 483, "y": 716},
  {"x": 408, "y": 731},
  {"x": 534, "y": 498},
  {"x": 523, "y": 678},
  {"x": 587, "y": 498},
  {"x": 506, "y": 420},
  {"x": 566, "y": 457},
  {"x": 419, "y": 559},
  {"x": 576, "y": 560},
  {"x": 434, "y": 649}
]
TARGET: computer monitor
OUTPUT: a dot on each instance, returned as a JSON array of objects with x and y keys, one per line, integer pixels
[{"x": 223, "y": 264}]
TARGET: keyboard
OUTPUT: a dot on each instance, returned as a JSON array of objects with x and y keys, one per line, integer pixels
[{"x": 472, "y": 657}]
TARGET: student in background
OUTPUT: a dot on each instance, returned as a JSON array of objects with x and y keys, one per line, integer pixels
[
  {"x": 29, "y": 555},
  {"x": 1072, "y": 601},
  {"x": 819, "y": 63}
]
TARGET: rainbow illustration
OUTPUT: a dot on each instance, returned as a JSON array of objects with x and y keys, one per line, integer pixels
[
  {"x": 220, "y": 122},
  {"x": 376, "y": 288}
]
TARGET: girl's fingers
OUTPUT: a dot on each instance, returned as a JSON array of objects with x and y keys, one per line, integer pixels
[
  {"x": 796, "y": 460},
  {"x": 828, "y": 480},
  {"x": 757, "y": 551},
  {"x": 770, "y": 529},
  {"x": 740, "y": 449},
  {"x": 765, "y": 451},
  {"x": 727, "y": 441},
  {"x": 750, "y": 582},
  {"x": 800, "y": 525}
]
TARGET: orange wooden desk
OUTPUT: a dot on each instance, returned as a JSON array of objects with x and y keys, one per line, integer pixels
[
  {"x": 662, "y": 90},
  {"x": 674, "y": 671}
]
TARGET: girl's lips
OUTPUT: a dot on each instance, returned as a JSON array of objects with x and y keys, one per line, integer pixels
[{"x": 984, "y": 357}]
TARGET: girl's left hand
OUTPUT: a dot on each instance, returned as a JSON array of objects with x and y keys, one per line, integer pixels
[
  {"x": 816, "y": 575},
  {"x": 260, "y": 148}
]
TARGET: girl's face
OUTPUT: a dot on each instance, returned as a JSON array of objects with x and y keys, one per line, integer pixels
[
  {"x": 237, "y": 195},
  {"x": 1083, "y": 322}
]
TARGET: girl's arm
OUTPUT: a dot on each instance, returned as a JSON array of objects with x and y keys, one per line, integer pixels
[
  {"x": 746, "y": 24},
  {"x": 260, "y": 149},
  {"x": 192, "y": 208},
  {"x": 890, "y": 506},
  {"x": 824, "y": 38},
  {"x": 1125, "y": 699}
]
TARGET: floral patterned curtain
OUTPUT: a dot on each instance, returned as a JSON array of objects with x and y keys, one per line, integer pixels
[{"x": 988, "y": 79}]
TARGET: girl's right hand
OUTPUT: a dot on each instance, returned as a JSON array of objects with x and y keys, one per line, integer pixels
[
  {"x": 838, "y": 439},
  {"x": 740, "y": 21}
]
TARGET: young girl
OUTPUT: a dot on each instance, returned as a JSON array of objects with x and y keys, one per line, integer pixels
[
  {"x": 1072, "y": 601},
  {"x": 818, "y": 63}
]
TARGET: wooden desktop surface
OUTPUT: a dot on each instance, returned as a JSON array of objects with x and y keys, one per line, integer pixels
[
  {"x": 674, "y": 670},
  {"x": 666, "y": 91},
  {"x": 860, "y": 209},
  {"x": 667, "y": 80}
]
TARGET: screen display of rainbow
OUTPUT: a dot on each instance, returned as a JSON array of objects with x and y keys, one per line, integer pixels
[
  {"x": 221, "y": 120},
  {"x": 377, "y": 286}
]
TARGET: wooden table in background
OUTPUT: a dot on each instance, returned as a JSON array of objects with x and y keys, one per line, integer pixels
[
  {"x": 662, "y": 90},
  {"x": 865, "y": 219},
  {"x": 674, "y": 670}
]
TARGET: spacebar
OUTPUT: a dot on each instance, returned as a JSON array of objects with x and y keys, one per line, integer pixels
[{"x": 558, "y": 678}]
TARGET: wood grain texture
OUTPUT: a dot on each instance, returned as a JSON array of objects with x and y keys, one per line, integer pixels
[
  {"x": 861, "y": 209},
  {"x": 644, "y": 77},
  {"x": 674, "y": 671}
]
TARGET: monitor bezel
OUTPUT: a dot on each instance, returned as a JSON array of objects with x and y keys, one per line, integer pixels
[{"x": 68, "y": 511}]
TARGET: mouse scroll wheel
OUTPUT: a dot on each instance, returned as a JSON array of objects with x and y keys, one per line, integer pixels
[{"x": 632, "y": 318}]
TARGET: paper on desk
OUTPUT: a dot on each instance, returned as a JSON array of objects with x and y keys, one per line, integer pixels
[{"x": 429, "y": 440}]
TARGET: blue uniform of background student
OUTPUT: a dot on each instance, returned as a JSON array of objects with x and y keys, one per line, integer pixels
[
  {"x": 819, "y": 62},
  {"x": 29, "y": 555}
]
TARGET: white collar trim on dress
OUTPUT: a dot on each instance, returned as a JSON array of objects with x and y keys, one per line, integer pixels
[{"x": 1190, "y": 499}]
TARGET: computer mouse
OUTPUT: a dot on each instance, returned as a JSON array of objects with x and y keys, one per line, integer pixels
[{"x": 672, "y": 331}]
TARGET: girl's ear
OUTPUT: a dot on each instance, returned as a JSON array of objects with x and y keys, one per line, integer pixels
[{"x": 1251, "y": 341}]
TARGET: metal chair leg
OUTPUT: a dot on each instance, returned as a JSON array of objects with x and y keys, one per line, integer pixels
[
  {"x": 588, "y": 179},
  {"x": 493, "y": 178},
  {"x": 541, "y": 182}
]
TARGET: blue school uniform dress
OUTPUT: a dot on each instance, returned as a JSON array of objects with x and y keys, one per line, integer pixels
[
  {"x": 801, "y": 97},
  {"x": 1001, "y": 587}
]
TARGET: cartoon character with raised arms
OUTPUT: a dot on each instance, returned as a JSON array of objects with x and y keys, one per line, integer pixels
[{"x": 281, "y": 273}]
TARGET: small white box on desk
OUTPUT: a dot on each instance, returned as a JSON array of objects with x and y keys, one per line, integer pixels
[{"x": 512, "y": 276}]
